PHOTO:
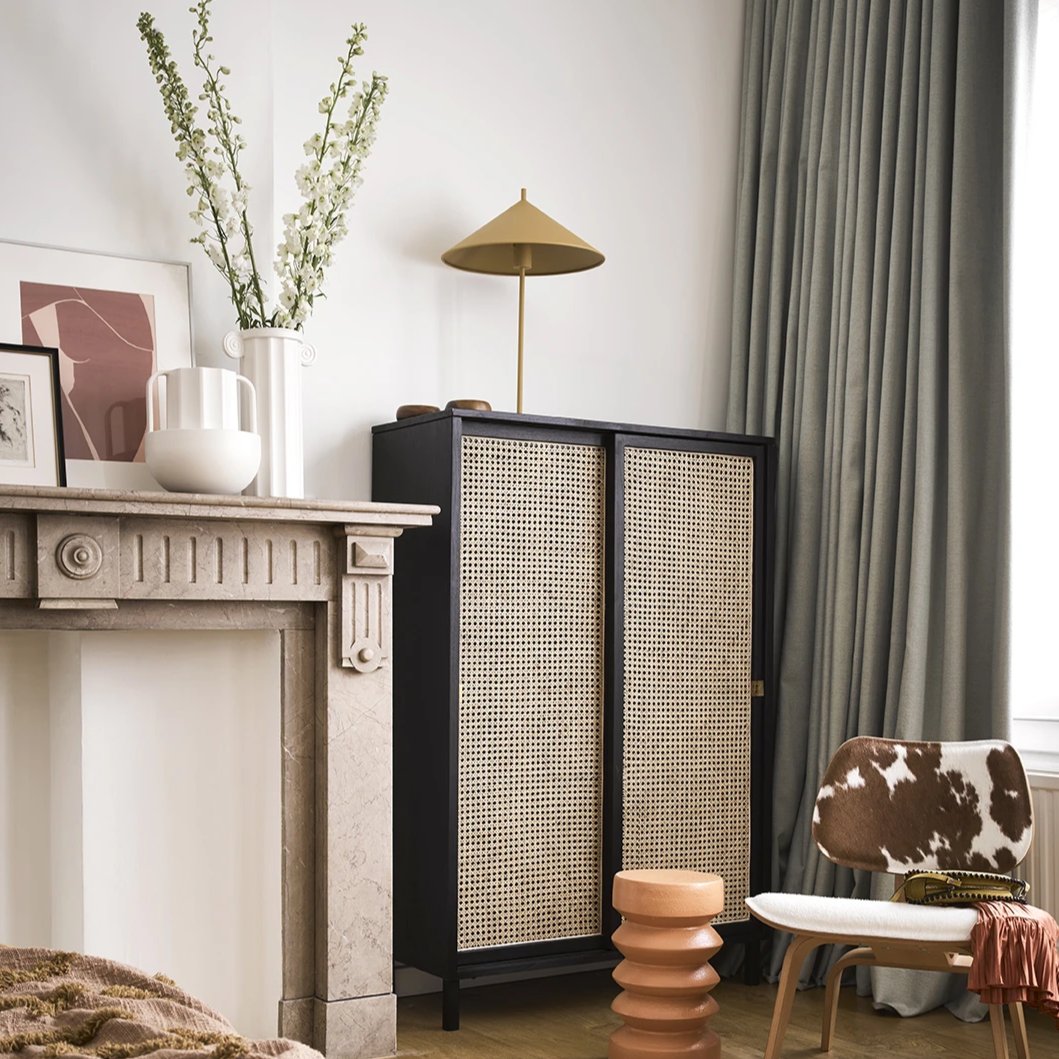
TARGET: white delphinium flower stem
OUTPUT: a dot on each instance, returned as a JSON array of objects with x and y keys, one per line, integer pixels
[
  {"x": 327, "y": 181},
  {"x": 191, "y": 150},
  {"x": 229, "y": 143},
  {"x": 311, "y": 233}
]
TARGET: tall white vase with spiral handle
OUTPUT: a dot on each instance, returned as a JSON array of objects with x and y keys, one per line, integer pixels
[{"x": 272, "y": 358}]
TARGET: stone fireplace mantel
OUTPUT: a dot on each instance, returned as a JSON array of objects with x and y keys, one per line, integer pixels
[{"x": 319, "y": 574}]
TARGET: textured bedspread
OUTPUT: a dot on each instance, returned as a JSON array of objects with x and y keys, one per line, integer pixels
[{"x": 65, "y": 1004}]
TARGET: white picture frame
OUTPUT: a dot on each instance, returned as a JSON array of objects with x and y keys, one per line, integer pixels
[{"x": 103, "y": 429}]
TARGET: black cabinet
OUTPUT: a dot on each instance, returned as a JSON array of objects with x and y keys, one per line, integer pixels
[{"x": 581, "y": 644}]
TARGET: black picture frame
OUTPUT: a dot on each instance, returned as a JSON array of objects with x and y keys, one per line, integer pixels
[{"x": 56, "y": 407}]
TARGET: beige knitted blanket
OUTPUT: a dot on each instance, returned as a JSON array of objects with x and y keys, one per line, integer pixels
[{"x": 65, "y": 1004}]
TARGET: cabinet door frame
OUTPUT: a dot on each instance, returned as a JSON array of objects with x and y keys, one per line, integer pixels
[
  {"x": 532, "y": 954},
  {"x": 762, "y": 725}
]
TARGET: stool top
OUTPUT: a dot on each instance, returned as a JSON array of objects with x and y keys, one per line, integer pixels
[{"x": 668, "y": 893}]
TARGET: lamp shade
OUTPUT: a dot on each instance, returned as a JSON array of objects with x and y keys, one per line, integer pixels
[{"x": 523, "y": 238}]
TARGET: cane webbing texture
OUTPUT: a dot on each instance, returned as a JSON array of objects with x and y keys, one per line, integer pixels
[
  {"x": 531, "y": 691},
  {"x": 688, "y": 554}
]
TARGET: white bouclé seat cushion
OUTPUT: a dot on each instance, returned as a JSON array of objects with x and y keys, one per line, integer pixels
[{"x": 855, "y": 919}]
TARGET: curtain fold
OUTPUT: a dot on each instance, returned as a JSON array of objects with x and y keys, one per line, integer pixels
[{"x": 869, "y": 339}]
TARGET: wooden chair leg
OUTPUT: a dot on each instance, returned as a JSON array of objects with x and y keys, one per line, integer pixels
[
  {"x": 996, "y": 1023},
  {"x": 1018, "y": 1025},
  {"x": 799, "y": 948},
  {"x": 834, "y": 988}
]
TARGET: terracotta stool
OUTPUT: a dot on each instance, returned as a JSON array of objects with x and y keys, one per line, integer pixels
[{"x": 666, "y": 940}]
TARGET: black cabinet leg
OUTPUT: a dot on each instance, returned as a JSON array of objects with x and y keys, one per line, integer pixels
[{"x": 450, "y": 1004}]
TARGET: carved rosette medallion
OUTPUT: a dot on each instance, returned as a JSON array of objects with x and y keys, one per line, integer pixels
[
  {"x": 79, "y": 556},
  {"x": 365, "y": 655}
]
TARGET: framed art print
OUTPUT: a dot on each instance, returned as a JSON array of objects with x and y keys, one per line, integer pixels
[
  {"x": 114, "y": 321},
  {"x": 31, "y": 436}
]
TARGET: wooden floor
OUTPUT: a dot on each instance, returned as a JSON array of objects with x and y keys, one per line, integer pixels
[{"x": 569, "y": 1017}]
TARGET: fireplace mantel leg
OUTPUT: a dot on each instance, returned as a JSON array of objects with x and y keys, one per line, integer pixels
[{"x": 355, "y": 1015}]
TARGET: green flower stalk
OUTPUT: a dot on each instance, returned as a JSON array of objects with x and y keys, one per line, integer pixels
[
  {"x": 202, "y": 172},
  {"x": 221, "y": 195},
  {"x": 229, "y": 142},
  {"x": 327, "y": 183}
]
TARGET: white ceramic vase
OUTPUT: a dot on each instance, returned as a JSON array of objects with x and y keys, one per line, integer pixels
[
  {"x": 196, "y": 441},
  {"x": 272, "y": 359}
]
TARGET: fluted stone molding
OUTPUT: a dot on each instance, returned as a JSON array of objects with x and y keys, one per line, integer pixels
[
  {"x": 320, "y": 574},
  {"x": 667, "y": 942}
]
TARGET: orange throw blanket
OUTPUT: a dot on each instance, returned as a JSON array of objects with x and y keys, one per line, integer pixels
[{"x": 1015, "y": 957}]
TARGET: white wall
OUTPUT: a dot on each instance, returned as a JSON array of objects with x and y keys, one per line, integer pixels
[
  {"x": 619, "y": 116},
  {"x": 140, "y": 806},
  {"x": 94, "y": 166},
  {"x": 182, "y": 813}
]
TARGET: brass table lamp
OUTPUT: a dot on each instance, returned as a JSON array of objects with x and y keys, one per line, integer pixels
[{"x": 523, "y": 241}]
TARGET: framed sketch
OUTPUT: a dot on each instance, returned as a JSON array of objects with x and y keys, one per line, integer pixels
[
  {"x": 31, "y": 431},
  {"x": 114, "y": 321}
]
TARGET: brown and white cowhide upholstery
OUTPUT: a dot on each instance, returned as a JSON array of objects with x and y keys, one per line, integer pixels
[{"x": 897, "y": 806}]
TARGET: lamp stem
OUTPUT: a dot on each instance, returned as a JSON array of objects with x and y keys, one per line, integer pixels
[{"x": 521, "y": 317}]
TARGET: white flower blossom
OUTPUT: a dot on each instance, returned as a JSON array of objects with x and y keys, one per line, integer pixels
[{"x": 326, "y": 182}]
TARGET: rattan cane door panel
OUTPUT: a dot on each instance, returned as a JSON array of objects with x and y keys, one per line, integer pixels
[
  {"x": 531, "y": 691},
  {"x": 688, "y": 595}
]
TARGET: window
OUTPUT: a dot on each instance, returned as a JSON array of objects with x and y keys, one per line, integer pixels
[{"x": 1035, "y": 387}]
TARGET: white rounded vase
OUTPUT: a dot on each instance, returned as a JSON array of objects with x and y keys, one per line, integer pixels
[
  {"x": 194, "y": 443},
  {"x": 272, "y": 359},
  {"x": 203, "y": 461}
]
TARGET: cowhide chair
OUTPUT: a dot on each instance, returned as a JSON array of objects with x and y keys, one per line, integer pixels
[{"x": 893, "y": 806}]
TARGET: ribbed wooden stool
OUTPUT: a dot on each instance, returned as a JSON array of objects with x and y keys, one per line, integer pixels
[{"x": 667, "y": 941}]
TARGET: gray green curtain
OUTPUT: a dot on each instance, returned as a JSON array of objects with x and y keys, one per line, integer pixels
[{"x": 869, "y": 340}]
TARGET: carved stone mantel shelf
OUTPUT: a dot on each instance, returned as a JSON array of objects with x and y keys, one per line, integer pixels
[{"x": 319, "y": 574}]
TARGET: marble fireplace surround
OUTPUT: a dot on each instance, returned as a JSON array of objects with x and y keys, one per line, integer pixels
[{"x": 319, "y": 574}]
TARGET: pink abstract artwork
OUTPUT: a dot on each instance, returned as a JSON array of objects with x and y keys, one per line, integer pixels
[{"x": 106, "y": 343}]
